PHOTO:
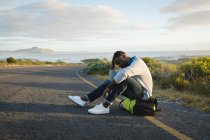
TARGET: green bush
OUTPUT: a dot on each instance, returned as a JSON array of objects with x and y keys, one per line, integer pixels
[
  {"x": 159, "y": 70},
  {"x": 194, "y": 75},
  {"x": 11, "y": 60},
  {"x": 196, "y": 68},
  {"x": 181, "y": 84},
  {"x": 167, "y": 82},
  {"x": 97, "y": 66},
  {"x": 168, "y": 68},
  {"x": 90, "y": 61},
  {"x": 154, "y": 66},
  {"x": 201, "y": 86}
]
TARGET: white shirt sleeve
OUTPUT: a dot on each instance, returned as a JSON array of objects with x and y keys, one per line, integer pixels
[
  {"x": 132, "y": 70},
  {"x": 112, "y": 74}
]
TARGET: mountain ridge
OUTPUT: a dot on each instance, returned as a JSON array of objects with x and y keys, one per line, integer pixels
[{"x": 33, "y": 50}]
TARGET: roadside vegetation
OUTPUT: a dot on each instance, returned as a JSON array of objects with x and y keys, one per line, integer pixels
[
  {"x": 186, "y": 81},
  {"x": 13, "y": 62}
]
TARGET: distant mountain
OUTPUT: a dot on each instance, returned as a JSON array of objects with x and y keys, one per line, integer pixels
[{"x": 34, "y": 50}]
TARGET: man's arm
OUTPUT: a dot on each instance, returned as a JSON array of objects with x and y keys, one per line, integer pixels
[
  {"x": 112, "y": 67},
  {"x": 136, "y": 68},
  {"x": 112, "y": 71},
  {"x": 109, "y": 88},
  {"x": 111, "y": 85}
]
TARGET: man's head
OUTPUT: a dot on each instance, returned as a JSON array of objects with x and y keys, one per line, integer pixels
[{"x": 120, "y": 58}]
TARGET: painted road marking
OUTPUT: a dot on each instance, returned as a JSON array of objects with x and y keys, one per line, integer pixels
[
  {"x": 156, "y": 122},
  {"x": 118, "y": 100}
]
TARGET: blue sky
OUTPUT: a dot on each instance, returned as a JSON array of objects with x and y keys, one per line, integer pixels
[{"x": 105, "y": 25}]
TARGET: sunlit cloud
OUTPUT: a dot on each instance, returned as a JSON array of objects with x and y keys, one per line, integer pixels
[
  {"x": 103, "y": 25},
  {"x": 184, "y": 6},
  {"x": 138, "y": 27},
  {"x": 57, "y": 20},
  {"x": 190, "y": 20},
  {"x": 188, "y": 13}
]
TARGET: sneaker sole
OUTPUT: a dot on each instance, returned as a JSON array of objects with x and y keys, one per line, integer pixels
[{"x": 101, "y": 113}]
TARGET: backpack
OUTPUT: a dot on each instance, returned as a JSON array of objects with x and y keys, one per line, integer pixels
[{"x": 139, "y": 106}]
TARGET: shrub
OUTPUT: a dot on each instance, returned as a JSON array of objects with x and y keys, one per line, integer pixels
[
  {"x": 165, "y": 83},
  {"x": 88, "y": 61},
  {"x": 97, "y": 66},
  {"x": 196, "y": 68},
  {"x": 154, "y": 66},
  {"x": 201, "y": 86},
  {"x": 168, "y": 68},
  {"x": 31, "y": 62},
  {"x": 168, "y": 81},
  {"x": 195, "y": 75},
  {"x": 11, "y": 60},
  {"x": 181, "y": 84}
]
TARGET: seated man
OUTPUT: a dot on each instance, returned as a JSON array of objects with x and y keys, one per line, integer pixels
[{"x": 133, "y": 81}]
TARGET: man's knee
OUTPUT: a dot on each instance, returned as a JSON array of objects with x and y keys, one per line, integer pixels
[
  {"x": 120, "y": 87},
  {"x": 106, "y": 82}
]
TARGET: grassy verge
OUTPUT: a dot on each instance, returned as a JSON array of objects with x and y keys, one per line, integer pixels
[
  {"x": 29, "y": 62},
  {"x": 184, "y": 98}
]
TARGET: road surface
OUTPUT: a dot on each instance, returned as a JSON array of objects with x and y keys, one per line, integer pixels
[{"x": 34, "y": 105}]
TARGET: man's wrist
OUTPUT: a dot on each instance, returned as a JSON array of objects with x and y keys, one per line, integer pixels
[{"x": 107, "y": 89}]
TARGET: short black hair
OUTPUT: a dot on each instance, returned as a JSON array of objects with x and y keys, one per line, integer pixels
[{"x": 117, "y": 54}]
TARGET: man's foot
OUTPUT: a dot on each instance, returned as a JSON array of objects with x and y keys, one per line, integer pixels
[
  {"x": 77, "y": 100},
  {"x": 99, "y": 109}
]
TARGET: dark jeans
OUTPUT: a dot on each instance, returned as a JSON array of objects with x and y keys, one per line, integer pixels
[{"x": 129, "y": 88}]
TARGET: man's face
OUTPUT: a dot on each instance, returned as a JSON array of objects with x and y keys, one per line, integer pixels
[{"x": 120, "y": 61}]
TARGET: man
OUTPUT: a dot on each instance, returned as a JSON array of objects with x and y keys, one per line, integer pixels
[{"x": 133, "y": 81}]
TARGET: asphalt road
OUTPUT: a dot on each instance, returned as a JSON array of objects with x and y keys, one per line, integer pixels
[{"x": 34, "y": 105}]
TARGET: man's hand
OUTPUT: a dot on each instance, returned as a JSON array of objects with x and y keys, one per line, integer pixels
[
  {"x": 106, "y": 92},
  {"x": 112, "y": 65},
  {"x": 109, "y": 88}
]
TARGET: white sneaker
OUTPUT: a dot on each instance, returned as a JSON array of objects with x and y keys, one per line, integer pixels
[
  {"x": 99, "y": 109},
  {"x": 77, "y": 100}
]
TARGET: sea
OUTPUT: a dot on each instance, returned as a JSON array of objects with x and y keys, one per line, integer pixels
[{"x": 77, "y": 57}]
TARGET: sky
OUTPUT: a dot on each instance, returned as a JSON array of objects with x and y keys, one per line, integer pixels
[{"x": 105, "y": 25}]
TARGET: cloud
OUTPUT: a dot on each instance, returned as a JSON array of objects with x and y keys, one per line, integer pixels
[
  {"x": 6, "y": 4},
  {"x": 59, "y": 20},
  {"x": 190, "y": 20},
  {"x": 183, "y": 6},
  {"x": 138, "y": 27},
  {"x": 189, "y": 13}
]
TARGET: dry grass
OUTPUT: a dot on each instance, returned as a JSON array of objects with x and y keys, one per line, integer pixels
[{"x": 184, "y": 98}]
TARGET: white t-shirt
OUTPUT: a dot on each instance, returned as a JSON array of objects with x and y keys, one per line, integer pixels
[{"x": 139, "y": 71}]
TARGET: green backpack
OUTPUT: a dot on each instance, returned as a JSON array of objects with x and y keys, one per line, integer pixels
[{"x": 139, "y": 106}]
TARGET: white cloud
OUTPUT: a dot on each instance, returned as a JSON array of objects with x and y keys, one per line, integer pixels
[
  {"x": 183, "y": 6},
  {"x": 138, "y": 27},
  {"x": 189, "y": 13},
  {"x": 190, "y": 20},
  {"x": 7, "y": 4},
  {"x": 58, "y": 20}
]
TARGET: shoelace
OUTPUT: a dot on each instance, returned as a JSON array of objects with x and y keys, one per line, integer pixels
[{"x": 97, "y": 106}]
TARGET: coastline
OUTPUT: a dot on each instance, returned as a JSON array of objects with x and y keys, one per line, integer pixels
[{"x": 76, "y": 57}]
